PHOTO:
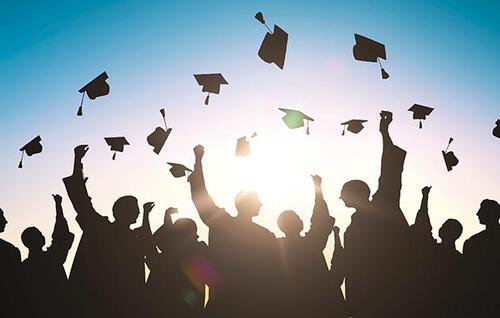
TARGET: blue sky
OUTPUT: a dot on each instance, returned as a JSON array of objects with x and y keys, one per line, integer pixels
[{"x": 440, "y": 53}]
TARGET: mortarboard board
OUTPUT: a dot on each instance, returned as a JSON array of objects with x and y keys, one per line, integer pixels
[
  {"x": 158, "y": 137},
  {"x": 368, "y": 50},
  {"x": 117, "y": 144},
  {"x": 496, "y": 130},
  {"x": 420, "y": 112},
  {"x": 295, "y": 119},
  {"x": 95, "y": 88},
  {"x": 273, "y": 47},
  {"x": 353, "y": 125},
  {"x": 211, "y": 83},
  {"x": 449, "y": 157},
  {"x": 31, "y": 148},
  {"x": 178, "y": 170},
  {"x": 243, "y": 146}
]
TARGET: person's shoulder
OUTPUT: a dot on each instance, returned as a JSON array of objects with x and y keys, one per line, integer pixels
[
  {"x": 9, "y": 247},
  {"x": 264, "y": 231}
]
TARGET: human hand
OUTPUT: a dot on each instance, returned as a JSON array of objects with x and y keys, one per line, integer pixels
[
  {"x": 385, "y": 120},
  {"x": 57, "y": 198},
  {"x": 80, "y": 151},
  {"x": 199, "y": 151},
  {"x": 148, "y": 206},
  {"x": 426, "y": 190}
]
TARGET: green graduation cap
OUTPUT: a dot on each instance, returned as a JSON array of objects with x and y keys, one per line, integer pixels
[{"x": 295, "y": 119}]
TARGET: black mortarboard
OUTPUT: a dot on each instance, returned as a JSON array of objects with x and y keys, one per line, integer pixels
[
  {"x": 295, "y": 119},
  {"x": 31, "y": 148},
  {"x": 95, "y": 88},
  {"x": 178, "y": 170},
  {"x": 420, "y": 112},
  {"x": 117, "y": 144},
  {"x": 273, "y": 47},
  {"x": 243, "y": 146},
  {"x": 368, "y": 50},
  {"x": 496, "y": 130},
  {"x": 449, "y": 157},
  {"x": 211, "y": 83},
  {"x": 158, "y": 137},
  {"x": 353, "y": 125}
]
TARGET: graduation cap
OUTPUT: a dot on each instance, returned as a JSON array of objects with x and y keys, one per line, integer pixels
[
  {"x": 449, "y": 157},
  {"x": 211, "y": 83},
  {"x": 496, "y": 130},
  {"x": 158, "y": 137},
  {"x": 116, "y": 143},
  {"x": 273, "y": 47},
  {"x": 368, "y": 50},
  {"x": 420, "y": 112},
  {"x": 178, "y": 170},
  {"x": 31, "y": 148},
  {"x": 295, "y": 119},
  {"x": 353, "y": 125},
  {"x": 95, "y": 88},
  {"x": 243, "y": 145}
]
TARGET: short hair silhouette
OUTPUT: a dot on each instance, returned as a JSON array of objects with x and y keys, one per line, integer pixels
[
  {"x": 32, "y": 238},
  {"x": 247, "y": 203},
  {"x": 186, "y": 229},
  {"x": 126, "y": 209},
  {"x": 355, "y": 192},
  {"x": 489, "y": 212},
  {"x": 3, "y": 221},
  {"x": 451, "y": 230},
  {"x": 290, "y": 223}
]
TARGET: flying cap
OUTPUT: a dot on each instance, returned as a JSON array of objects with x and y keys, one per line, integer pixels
[
  {"x": 178, "y": 170},
  {"x": 496, "y": 130},
  {"x": 117, "y": 144},
  {"x": 211, "y": 83},
  {"x": 243, "y": 146},
  {"x": 95, "y": 88},
  {"x": 31, "y": 148},
  {"x": 158, "y": 137},
  {"x": 353, "y": 125},
  {"x": 273, "y": 47},
  {"x": 368, "y": 50},
  {"x": 295, "y": 119},
  {"x": 449, "y": 157},
  {"x": 420, "y": 112}
]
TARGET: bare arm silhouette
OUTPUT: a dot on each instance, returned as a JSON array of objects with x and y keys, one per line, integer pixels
[
  {"x": 62, "y": 238},
  {"x": 321, "y": 221},
  {"x": 422, "y": 224},
  {"x": 206, "y": 207}
]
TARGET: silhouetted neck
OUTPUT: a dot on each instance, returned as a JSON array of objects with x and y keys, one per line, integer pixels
[
  {"x": 122, "y": 225},
  {"x": 244, "y": 218},
  {"x": 35, "y": 253},
  {"x": 448, "y": 245},
  {"x": 493, "y": 227}
]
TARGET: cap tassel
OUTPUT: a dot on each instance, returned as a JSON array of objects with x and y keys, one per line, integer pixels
[
  {"x": 449, "y": 143},
  {"x": 420, "y": 124},
  {"x": 21, "y": 162},
  {"x": 114, "y": 156},
  {"x": 385, "y": 75},
  {"x": 162, "y": 111},
  {"x": 207, "y": 99},
  {"x": 260, "y": 17},
  {"x": 80, "y": 109},
  {"x": 307, "y": 127},
  {"x": 343, "y": 131}
]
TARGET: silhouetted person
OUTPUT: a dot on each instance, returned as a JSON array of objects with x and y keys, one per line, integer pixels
[
  {"x": 108, "y": 274},
  {"x": 336, "y": 278},
  {"x": 45, "y": 284},
  {"x": 10, "y": 264},
  {"x": 376, "y": 239},
  {"x": 438, "y": 277},
  {"x": 178, "y": 274},
  {"x": 243, "y": 253},
  {"x": 482, "y": 259},
  {"x": 303, "y": 263}
]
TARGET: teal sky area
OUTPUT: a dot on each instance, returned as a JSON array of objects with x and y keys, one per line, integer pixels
[{"x": 439, "y": 53}]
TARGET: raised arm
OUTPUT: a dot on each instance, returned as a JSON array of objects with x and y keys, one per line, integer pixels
[
  {"x": 321, "y": 221},
  {"x": 206, "y": 207},
  {"x": 422, "y": 224},
  {"x": 76, "y": 188},
  {"x": 62, "y": 238}
]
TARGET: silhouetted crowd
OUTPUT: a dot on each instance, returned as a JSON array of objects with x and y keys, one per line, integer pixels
[{"x": 389, "y": 268}]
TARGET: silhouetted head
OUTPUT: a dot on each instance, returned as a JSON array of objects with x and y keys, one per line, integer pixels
[
  {"x": 489, "y": 212},
  {"x": 290, "y": 223},
  {"x": 355, "y": 194},
  {"x": 186, "y": 230},
  {"x": 33, "y": 239},
  {"x": 247, "y": 203},
  {"x": 3, "y": 221},
  {"x": 126, "y": 210},
  {"x": 450, "y": 231}
]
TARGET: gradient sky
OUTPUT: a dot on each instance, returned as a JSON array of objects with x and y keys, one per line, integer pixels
[{"x": 440, "y": 53}]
